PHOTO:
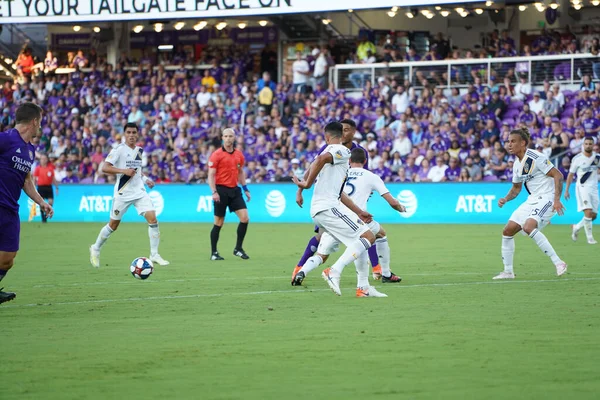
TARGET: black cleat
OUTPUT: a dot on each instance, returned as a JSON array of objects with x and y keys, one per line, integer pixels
[
  {"x": 216, "y": 257},
  {"x": 240, "y": 253},
  {"x": 6, "y": 296},
  {"x": 297, "y": 281},
  {"x": 393, "y": 278}
]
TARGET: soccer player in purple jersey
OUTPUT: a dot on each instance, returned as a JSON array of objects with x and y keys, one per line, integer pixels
[
  {"x": 349, "y": 130},
  {"x": 17, "y": 155}
]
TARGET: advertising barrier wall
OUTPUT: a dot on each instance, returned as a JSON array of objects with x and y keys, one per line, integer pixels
[{"x": 453, "y": 203}]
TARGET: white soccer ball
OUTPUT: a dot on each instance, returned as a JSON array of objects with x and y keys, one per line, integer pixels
[{"x": 141, "y": 268}]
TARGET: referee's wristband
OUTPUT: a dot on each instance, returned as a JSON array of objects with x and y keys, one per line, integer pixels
[{"x": 245, "y": 188}]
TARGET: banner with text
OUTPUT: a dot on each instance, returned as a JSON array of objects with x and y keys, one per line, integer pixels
[
  {"x": 69, "y": 11},
  {"x": 426, "y": 203}
]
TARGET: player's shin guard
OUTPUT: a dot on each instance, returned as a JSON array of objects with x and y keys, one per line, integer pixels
[
  {"x": 353, "y": 251},
  {"x": 542, "y": 241},
  {"x": 508, "y": 252},
  {"x": 154, "y": 235},
  {"x": 311, "y": 264},
  {"x": 587, "y": 224},
  {"x": 241, "y": 234},
  {"x": 313, "y": 243},
  {"x": 214, "y": 238},
  {"x": 383, "y": 249},
  {"x": 103, "y": 236},
  {"x": 362, "y": 270}
]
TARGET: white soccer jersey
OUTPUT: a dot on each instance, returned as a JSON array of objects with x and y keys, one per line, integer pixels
[
  {"x": 330, "y": 181},
  {"x": 586, "y": 169},
  {"x": 532, "y": 172},
  {"x": 123, "y": 157},
  {"x": 361, "y": 184}
]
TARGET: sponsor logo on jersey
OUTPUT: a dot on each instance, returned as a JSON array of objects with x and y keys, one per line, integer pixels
[
  {"x": 339, "y": 154},
  {"x": 117, "y": 212}
]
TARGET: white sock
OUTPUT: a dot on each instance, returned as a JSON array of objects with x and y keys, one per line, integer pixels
[
  {"x": 103, "y": 236},
  {"x": 542, "y": 241},
  {"x": 587, "y": 224},
  {"x": 311, "y": 264},
  {"x": 154, "y": 235},
  {"x": 508, "y": 252},
  {"x": 362, "y": 270},
  {"x": 383, "y": 250},
  {"x": 579, "y": 225},
  {"x": 353, "y": 251}
]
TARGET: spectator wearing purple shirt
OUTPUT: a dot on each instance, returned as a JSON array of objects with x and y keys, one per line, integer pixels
[{"x": 590, "y": 124}]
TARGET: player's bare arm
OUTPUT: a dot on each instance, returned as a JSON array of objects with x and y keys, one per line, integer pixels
[
  {"x": 315, "y": 170},
  {"x": 558, "y": 189},
  {"x": 347, "y": 201},
  {"x": 31, "y": 191},
  {"x": 569, "y": 181},
  {"x": 394, "y": 203},
  {"x": 108, "y": 168},
  {"x": 299, "y": 198},
  {"x": 242, "y": 181},
  {"x": 512, "y": 194},
  {"x": 212, "y": 173},
  {"x": 148, "y": 181}
]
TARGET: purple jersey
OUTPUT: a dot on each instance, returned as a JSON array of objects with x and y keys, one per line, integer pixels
[{"x": 16, "y": 159}]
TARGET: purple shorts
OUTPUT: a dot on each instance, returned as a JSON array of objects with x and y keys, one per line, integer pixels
[{"x": 10, "y": 228}]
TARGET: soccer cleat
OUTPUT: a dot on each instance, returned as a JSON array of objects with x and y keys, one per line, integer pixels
[
  {"x": 333, "y": 282},
  {"x": 574, "y": 233},
  {"x": 94, "y": 257},
  {"x": 504, "y": 275},
  {"x": 561, "y": 268},
  {"x": 592, "y": 241},
  {"x": 298, "y": 278},
  {"x": 296, "y": 270},
  {"x": 159, "y": 260},
  {"x": 216, "y": 257},
  {"x": 240, "y": 253},
  {"x": 377, "y": 272},
  {"x": 393, "y": 278},
  {"x": 369, "y": 292},
  {"x": 6, "y": 296}
]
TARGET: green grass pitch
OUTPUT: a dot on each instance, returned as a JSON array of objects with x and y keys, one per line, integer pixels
[{"x": 238, "y": 330}]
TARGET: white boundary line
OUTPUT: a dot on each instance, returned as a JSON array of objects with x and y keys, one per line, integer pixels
[{"x": 194, "y": 296}]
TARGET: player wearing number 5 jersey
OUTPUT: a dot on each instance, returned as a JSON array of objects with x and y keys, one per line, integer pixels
[
  {"x": 544, "y": 184},
  {"x": 125, "y": 161},
  {"x": 585, "y": 165}
]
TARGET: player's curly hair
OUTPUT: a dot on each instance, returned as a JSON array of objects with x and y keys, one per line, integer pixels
[{"x": 523, "y": 133}]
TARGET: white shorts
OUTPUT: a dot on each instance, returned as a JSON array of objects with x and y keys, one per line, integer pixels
[
  {"x": 329, "y": 245},
  {"x": 120, "y": 207},
  {"x": 539, "y": 208},
  {"x": 341, "y": 223},
  {"x": 587, "y": 199}
]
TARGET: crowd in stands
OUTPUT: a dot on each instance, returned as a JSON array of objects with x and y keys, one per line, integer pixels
[{"x": 431, "y": 135}]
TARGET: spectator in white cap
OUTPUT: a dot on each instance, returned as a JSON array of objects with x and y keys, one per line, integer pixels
[
  {"x": 297, "y": 170},
  {"x": 321, "y": 67},
  {"x": 537, "y": 104}
]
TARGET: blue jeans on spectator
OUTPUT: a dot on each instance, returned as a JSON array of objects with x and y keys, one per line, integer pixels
[
  {"x": 358, "y": 79},
  {"x": 596, "y": 69},
  {"x": 299, "y": 87}
]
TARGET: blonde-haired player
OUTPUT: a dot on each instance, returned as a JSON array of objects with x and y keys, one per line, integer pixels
[
  {"x": 125, "y": 161},
  {"x": 544, "y": 183},
  {"x": 585, "y": 165}
]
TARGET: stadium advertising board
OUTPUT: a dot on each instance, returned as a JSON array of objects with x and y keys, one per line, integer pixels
[
  {"x": 426, "y": 203},
  {"x": 48, "y": 11}
]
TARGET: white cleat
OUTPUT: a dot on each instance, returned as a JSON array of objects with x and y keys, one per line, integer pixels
[
  {"x": 561, "y": 268},
  {"x": 574, "y": 233},
  {"x": 592, "y": 241},
  {"x": 504, "y": 275},
  {"x": 94, "y": 257},
  {"x": 333, "y": 282},
  {"x": 370, "y": 292},
  {"x": 159, "y": 260}
]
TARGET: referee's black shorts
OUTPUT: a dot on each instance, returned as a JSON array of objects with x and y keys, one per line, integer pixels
[
  {"x": 46, "y": 192},
  {"x": 230, "y": 197}
]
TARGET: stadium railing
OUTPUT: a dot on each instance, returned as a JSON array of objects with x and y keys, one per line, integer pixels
[
  {"x": 562, "y": 68},
  {"x": 168, "y": 67}
]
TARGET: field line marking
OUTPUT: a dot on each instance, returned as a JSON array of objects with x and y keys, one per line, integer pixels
[{"x": 192, "y": 296}]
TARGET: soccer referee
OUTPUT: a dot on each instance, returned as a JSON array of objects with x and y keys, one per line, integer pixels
[
  {"x": 45, "y": 178},
  {"x": 225, "y": 172}
]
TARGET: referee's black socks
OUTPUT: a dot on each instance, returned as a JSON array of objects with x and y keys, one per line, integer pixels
[
  {"x": 214, "y": 237},
  {"x": 241, "y": 234}
]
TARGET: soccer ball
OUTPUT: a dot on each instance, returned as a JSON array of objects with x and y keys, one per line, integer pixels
[{"x": 141, "y": 268}]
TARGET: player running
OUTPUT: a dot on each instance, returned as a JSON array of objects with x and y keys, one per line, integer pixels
[
  {"x": 360, "y": 184},
  {"x": 17, "y": 155},
  {"x": 585, "y": 165},
  {"x": 349, "y": 130},
  {"x": 339, "y": 219},
  {"x": 125, "y": 161},
  {"x": 544, "y": 184}
]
